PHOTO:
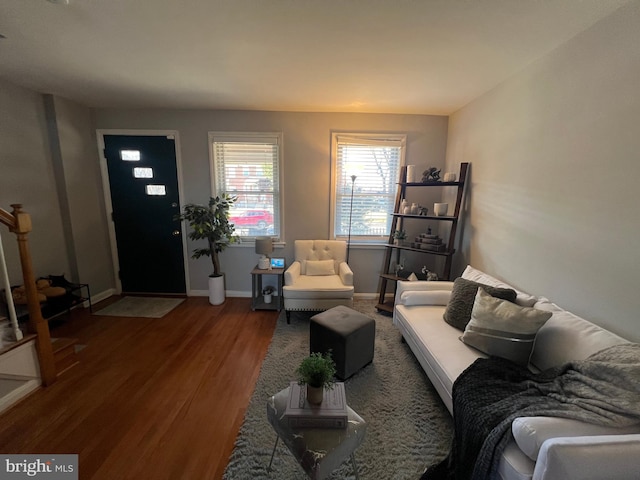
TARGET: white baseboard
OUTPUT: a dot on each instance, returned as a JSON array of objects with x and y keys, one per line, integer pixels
[
  {"x": 100, "y": 296},
  {"x": 238, "y": 294},
  {"x": 365, "y": 296},
  {"x": 198, "y": 293},
  {"x": 245, "y": 294},
  {"x": 228, "y": 293}
]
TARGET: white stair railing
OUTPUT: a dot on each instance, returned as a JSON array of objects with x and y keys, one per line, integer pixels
[{"x": 7, "y": 290}]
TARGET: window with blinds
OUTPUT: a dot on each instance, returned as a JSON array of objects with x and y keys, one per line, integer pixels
[
  {"x": 247, "y": 165},
  {"x": 366, "y": 169}
]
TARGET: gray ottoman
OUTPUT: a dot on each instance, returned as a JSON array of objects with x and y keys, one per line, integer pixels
[{"x": 349, "y": 335}]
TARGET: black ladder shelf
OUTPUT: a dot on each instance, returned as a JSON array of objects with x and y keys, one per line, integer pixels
[{"x": 399, "y": 217}]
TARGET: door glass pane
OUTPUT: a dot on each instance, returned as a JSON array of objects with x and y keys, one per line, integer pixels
[
  {"x": 143, "y": 172},
  {"x": 130, "y": 155},
  {"x": 156, "y": 190}
]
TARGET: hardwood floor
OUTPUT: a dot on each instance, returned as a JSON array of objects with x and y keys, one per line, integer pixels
[{"x": 150, "y": 398}]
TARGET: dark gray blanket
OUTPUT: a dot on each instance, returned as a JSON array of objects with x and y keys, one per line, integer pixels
[{"x": 603, "y": 389}]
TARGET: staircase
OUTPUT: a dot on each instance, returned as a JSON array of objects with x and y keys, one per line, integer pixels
[{"x": 19, "y": 370}]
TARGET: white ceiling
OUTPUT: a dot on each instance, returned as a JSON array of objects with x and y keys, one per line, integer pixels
[{"x": 384, "y": 56}]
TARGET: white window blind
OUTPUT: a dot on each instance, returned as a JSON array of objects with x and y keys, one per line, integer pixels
[
  {"x": 375, "y": 161},
  {"x": 248, "y": 166}
]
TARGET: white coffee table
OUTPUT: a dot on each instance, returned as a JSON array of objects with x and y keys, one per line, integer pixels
[{"x": 319, "y": 451}]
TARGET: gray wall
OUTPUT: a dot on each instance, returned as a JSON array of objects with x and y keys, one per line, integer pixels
[
  {"x": 306, "y": 158},
  {"x": 83, "y": 184},
  {"x": 49, "y": 164},
  {"x": 27, "y": 177},
  {"x": 554, "y": 177}
]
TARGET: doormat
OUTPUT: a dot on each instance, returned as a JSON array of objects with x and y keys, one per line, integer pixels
[{"x": 147, "y": 307}]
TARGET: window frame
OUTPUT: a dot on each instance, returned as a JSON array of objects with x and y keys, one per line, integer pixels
[
  {"x": 366, "y": 137},
  {"x": 251, "y": 137}
]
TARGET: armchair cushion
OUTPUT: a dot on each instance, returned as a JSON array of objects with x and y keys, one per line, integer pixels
[
  {"x": 320, "y": 267},
  {"x": 306, "y": 250},
  {"x": 324, "y": 286}
]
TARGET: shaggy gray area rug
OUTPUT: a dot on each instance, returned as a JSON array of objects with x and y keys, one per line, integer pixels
[
  {"x": 408, "y": 426},
  {"x": 147, "y": 307}
]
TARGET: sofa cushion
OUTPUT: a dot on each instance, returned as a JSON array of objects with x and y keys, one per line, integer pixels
[
  {"x": 567, "y": 337},
  {"x": 431, "y": 297},
  {"x": 531, "y": 432},
  {"x": 436, "y": 344},
  {"x": 523, "y": 299},
  {"x": 320, "y": 267},
  {"x": 458, "y": 311},
  {"x": 504, "y": 329}
]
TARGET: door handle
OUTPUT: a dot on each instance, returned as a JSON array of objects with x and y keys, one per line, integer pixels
[
  {"x": 174, "y": 204},
  {"x": 176, "y": 232}
]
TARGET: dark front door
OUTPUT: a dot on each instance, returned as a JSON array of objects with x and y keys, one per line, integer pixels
[{"x": 143, "y": 181}]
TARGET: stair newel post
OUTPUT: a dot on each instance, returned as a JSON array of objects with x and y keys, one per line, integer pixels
[{"x": 37, "y": 324}]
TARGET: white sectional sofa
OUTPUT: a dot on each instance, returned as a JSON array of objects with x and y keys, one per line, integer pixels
[{"x": 542, "y": 448}]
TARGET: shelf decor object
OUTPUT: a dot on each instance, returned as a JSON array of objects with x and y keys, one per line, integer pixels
[
  {"x": 428, "y": 244},
  {"x": 440, "y": 209}
]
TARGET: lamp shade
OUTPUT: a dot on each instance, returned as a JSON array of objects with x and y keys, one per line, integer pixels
[{"x": 264, "y": 245}]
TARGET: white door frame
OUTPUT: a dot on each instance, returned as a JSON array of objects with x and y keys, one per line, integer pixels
[{"x": 173, "y": 134}]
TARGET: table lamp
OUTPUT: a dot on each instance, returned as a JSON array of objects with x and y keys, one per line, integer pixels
[{"x": 264, "y": 246}]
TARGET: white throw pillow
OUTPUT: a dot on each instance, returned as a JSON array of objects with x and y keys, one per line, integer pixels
[
  {"x": 522, "y": 299},
  {"x": 431, "y": 297},
  {"x": 504, "y": 329},
  {"x": 320, "y": 267}
]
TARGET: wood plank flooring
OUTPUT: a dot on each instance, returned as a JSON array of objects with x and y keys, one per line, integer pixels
[{"x": 151, "y": 398}]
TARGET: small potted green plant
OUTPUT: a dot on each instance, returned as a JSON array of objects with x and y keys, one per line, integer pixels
[
  {"x": 316, "y": 372},
  {"x": 399, "y": 237}
]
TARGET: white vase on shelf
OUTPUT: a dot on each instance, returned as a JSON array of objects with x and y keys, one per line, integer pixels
[
  {"x": 411, "y": 173},
  {"x": 440, "y": 209}
]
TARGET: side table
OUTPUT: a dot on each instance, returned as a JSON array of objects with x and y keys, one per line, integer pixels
[
  {"x": 257, "y": 300},
  {"x": 319, "y": 451}
]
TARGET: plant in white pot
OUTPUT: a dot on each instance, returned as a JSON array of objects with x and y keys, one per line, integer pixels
[
  {"x": 211, "y": 222},
  {"x": 316, "y": 372},
  {"x": 267, "y": 293}
]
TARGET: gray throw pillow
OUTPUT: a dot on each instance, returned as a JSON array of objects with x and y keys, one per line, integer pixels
[
  {"x": 458, "y": 311},
  {"x": 503, "y": 329}
]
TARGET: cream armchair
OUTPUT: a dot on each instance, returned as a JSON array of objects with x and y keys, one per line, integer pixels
[{"x": 319, "y": 278}]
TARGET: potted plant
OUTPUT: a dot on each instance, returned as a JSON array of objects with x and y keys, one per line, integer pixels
[
  {"x": 267, "y": 292},
  {"x": 316, "y": 372},
  {"x": 399, "y": 237},
  {"x": 211, "y": 222}
]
